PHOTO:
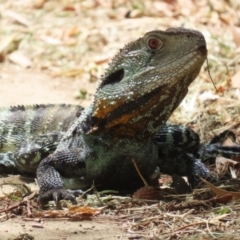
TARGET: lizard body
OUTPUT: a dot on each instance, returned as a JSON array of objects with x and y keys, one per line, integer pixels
[
  {"x": 143, "y": 85},
  {"x": 30, "y": 133}
]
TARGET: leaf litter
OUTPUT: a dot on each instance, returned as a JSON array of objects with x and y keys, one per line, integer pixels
[{"x": 76, "y": 39}]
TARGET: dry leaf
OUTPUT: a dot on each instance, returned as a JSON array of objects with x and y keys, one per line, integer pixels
[
  {"x": 236, "y": 80},
  {"x": 230, "y": 140},
  {"x": 102, "y": 59},
  {"x": 221, "y": 89},
  {"x": 223, "y": 164},
  {"x": 223, "y": 200},
  {"x": 69, "y": 8},
  {"x": 39, "y": 3},
  {"x": 85, "y": 210},
  {"x": 20, "y": 59},
  {"x": 164, "y": 8},
  {"x": 9, "y": 44},
  {"x": 51, "y": 40},
  {"x": 216, "y": 219},
  {"x": 148, "y": 193},
  {"x": 18, "y": 18},
  {"x": 187, "y": 7},
  {"x": 71, "y": 212},
  {"x": 68, "y": 73},
  {"x": 70, "y": 32},
  {"x": 220, "y": 192},
  {"x": 236, "y": 35}
]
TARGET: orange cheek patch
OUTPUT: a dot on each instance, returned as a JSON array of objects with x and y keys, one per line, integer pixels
[
  {"x": 124, "y": 119},
  {"x": 124, "y": 127},
  {"x": 120, "y": 120},
  {"x": 103, "y": 108},
  {"x": 128, "y": 119}
]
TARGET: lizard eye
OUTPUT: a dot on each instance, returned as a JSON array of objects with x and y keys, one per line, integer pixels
[{"x": 154, "y": 43}]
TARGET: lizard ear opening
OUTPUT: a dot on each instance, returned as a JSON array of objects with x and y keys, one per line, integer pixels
[{"x": 114, "y": 77}]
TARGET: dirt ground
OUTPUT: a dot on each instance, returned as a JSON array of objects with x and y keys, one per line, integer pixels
[
  {"x": 55, "y": 229},
  {"x": 27, "y": 86}
]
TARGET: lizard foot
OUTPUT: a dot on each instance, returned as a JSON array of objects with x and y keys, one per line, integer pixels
[
  {"x": 57, "y": 195},
  {"x": 199, "y": 170}
]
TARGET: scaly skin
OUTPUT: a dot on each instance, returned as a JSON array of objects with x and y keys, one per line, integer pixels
[{"x": 28, "y": 134}]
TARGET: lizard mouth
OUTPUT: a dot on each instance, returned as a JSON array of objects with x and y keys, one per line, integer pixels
[{"x": 203, "y": 50}]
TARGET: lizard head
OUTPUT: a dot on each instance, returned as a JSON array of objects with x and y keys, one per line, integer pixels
[{"x": 146, "y": 81}]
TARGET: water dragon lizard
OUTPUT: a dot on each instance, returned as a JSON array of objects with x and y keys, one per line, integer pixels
[{"x": 69, "y": 147}]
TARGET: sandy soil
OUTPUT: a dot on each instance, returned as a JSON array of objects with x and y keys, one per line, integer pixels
[
  {"x": 27, "y": 86},
  {"x": 56, "y": 229}
]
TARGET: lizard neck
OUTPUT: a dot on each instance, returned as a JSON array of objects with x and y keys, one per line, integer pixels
[{"x": 146, "y": 116}]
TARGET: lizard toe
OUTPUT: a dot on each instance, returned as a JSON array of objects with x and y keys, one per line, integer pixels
[{"x": 57, "y": 195}]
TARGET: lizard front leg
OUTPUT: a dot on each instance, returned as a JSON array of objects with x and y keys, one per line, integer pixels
[
  {"x": 178, "y": 153},
  {"x": 174, "y": 160},
  {"x": 53, "y": 172}
]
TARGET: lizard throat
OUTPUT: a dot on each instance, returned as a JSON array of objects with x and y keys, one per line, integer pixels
[{"x": 143, "y": 118}]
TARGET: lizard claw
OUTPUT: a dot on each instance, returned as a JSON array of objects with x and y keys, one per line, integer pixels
[{"x": 57, "y": 195}]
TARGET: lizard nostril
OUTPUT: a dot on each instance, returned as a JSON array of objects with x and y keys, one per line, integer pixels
[{"x": 203, "y": 50}]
